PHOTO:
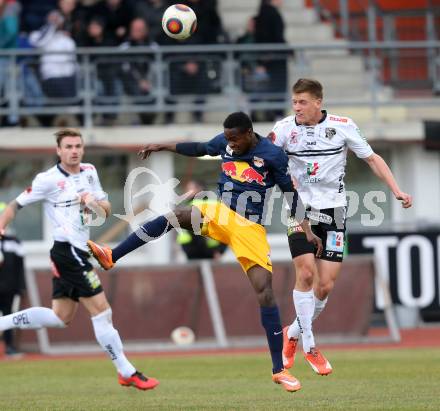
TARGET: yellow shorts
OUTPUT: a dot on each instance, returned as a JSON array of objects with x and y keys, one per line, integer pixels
[{"x": 247, "y": 240}]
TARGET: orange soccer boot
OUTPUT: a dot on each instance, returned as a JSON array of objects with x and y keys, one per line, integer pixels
[
  {"x": 139, "y": 381},
  {"x": 318, "y": 362},
  {"x": 289, "y": 349},
  {"x": 288, "y": 381},
  {"x": 102, "y": 253}
]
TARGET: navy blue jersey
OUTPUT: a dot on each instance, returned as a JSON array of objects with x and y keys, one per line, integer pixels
[{"x": 245, "y": 179}]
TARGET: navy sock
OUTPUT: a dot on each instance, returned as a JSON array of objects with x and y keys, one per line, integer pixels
[
  {"x": 270, "y": 318},
  {"x": 149, "y": 231}
]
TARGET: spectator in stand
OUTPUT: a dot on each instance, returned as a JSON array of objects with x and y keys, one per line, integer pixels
[
  {"x": 135, "y": 71},
  {"x": 197, "y": 73},
  {"x": 106, "y": 68},
  {"x": 254, "y": 75},
  {"x": 34, "y": 13},
  {"x": 74, "y": 17},
  {"x": 57, "y": 71},
  {"x": 29, "y": 78},
  {"x": 117, "y": 15},
  {"x": 151, "y": 12},
  {"x": 248, "y": 37},
  {"x": 9, "y": 11},
  {"x": 269, "y": 28}
]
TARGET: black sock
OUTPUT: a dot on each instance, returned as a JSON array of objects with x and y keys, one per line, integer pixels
[
  {"x": 149, "y": 231},
  {"x": 270, "y": 318}
]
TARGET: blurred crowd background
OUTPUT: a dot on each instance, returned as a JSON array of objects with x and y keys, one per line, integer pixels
[{"x": 63, "y": 26}]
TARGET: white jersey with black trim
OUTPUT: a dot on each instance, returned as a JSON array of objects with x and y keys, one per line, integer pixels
[
  {"x": 317, "y": 156},
  {"x": 60, "y": 193}
]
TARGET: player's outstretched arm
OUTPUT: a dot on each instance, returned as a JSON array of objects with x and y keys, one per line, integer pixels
[
  {"x": 297, "y": 209},
  {"x": 380, "y": 169},
  {"x": 189, "y": 149},
  {"x": 298, "y": 212},
  {"x": 101, "y": 207},
  {"x": 145, "y": 152},
  {"x": 8, "y": 215}
]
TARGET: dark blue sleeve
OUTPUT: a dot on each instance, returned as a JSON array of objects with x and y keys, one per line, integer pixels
[
  {"x": 283, "y": 179},
  {"x": 279, "y": 165},
  {"x": 191, "y": 149},
  {"x": 216, "y": 145}
]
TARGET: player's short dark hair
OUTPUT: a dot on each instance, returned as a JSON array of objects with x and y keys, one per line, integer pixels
[
  {"x": 238, "y": 120},
  {"x": 308, "y": 85},
  {"x": 66, "y": 132}
]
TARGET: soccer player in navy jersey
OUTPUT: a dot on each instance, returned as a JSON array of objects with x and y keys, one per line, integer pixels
[{"x": 251, "y": 165}]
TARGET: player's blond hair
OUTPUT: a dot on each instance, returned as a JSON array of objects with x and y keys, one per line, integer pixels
[
  {"x": 66, "y": 132},
  {"x": 308, "y": 85}
]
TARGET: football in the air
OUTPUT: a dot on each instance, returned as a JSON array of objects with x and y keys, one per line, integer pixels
[{"x": 179, "y": 21}]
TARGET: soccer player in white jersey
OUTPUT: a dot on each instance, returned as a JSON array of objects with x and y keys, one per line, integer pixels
[
  {"x": 317, "y": 145},
  {"x": 71, "y": 193}
]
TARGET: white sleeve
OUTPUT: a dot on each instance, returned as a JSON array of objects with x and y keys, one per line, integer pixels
[
  {"x": 98, "y": 192},
  {"x": 356, "y": 142},
  {"x": 278, "y": 136},
  {"x": 39, "y": 38},
  {"x": 36, "y": 192}
]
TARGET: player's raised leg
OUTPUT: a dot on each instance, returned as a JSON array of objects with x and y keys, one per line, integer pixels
[
  {"x": 110, "y": 341},
  {"x": 261, "y": 280},
  {"x": 305, "y": 305},
  {"x": 31, "y": 319},
  {"x": 185, "y": 217},
  {"x": 150, "y": 230},
  {"x": 328, "y": 272},
  {"x": 304, "y": 301},
  {"x": 292, "y": 333}
]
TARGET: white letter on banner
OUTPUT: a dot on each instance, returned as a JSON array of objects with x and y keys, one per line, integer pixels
[
  {"x": 376, "y": 211},
  {"x": 404, "y": 274}
]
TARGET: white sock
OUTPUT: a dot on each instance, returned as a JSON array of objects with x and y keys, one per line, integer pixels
[
  {"x": 294, "y": 331},
  {"x": 31, "y": 319},
  {"x": 319, "y": 306},
  {"x": 109, "y": 339},
  {"x": 305, "y": 307}
]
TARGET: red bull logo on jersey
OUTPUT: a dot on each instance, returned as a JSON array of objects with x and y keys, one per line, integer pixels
[
  {"x": 252, "y": 176},
  {"x": 229, "y": 168},
  {"x": 243, "y": 172}
]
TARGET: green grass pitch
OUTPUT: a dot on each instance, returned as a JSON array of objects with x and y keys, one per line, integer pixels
[{"x": 362, "y": 380}]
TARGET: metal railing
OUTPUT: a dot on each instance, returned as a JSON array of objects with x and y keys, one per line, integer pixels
[
  {"x": 229, "y": 79},
  {"x": 366, "y": 20}
]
